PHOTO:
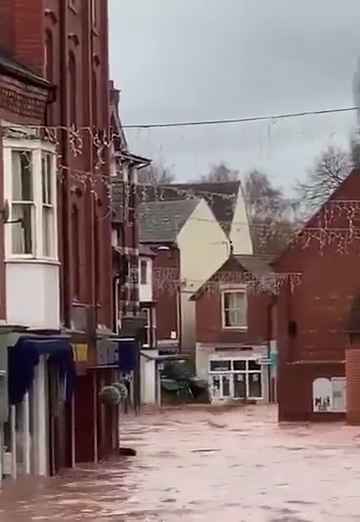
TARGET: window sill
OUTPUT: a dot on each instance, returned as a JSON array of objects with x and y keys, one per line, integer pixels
[
  {"x": 32, "y": 260},
  {"x": 235, "y": 328}
]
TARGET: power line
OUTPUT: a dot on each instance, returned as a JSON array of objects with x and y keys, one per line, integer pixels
[{"x": 239, "y": 120}]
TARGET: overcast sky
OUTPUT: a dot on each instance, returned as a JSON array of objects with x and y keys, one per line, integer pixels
[{"x": 177, "y": 60}]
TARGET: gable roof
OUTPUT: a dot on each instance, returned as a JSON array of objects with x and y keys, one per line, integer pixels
[
  {"x": 255, "y": 264},
  {"x": 252, "y": 264},
  {"x": 215, "y": 194},
  {"x": 348, "y": 190},
  {"x": 11, "y": 67},
  {"x": 161, "y": 221}
]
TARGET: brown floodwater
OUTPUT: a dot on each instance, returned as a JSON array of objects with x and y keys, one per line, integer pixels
[{"x": 206, "y": 464}]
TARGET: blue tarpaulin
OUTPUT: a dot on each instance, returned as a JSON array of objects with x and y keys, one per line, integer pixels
[{"x": 25, "y": 356}]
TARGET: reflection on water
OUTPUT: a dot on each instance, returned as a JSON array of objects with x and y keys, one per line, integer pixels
[{"x": 206, "y": 464}]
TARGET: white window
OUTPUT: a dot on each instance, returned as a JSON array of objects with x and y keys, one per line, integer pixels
[
  {"x": 30, "y": 189},
  {"x": 236, "y": 379},
  {"x": 234, "y": 309},
  {"x": 48, "y": 210},
  {"x": 22, "y": 203},
  {"x": 146, "y": 314}
]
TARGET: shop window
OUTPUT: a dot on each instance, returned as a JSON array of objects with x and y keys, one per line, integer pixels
[{"x": 238, "y": 379}]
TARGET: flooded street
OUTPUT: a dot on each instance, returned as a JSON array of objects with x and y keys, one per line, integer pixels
[{"x": 207, "y": 464}]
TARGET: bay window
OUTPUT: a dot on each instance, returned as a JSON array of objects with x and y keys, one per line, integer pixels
[
  {"x": 30, "y": 190},
  {"x": 22, "y": 202}
]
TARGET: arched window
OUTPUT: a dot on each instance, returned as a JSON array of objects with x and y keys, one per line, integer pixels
[
  {"x": 75, "y": 239},
  {"x": 72, "y": 89},
  {"x": 94, "y": 100},
  {"x": 49, "y": 56},
  {"x": 97, "y": 267}
]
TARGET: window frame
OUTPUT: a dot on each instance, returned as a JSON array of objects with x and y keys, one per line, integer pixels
[
  {"x": 239, "y": 290},
  {"x": 232, "y": 373},
  {"x": 144, "y": 263},
  {"x": 148, "y": 327},
  {"x": 37, "y": 148}
]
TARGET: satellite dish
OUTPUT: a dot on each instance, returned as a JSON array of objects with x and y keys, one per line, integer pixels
[{"x": 5, "y": 212}]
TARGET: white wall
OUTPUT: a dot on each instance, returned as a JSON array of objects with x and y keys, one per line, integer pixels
[
  {"x": 32, "y": 294},
  {"x": 205, "y": 352},
  {"x": 240, "y": 230},
  {"x": 146, "y": 291},
  {"x": 204, "y": 248},
  {"x": 148, "y": 378}
]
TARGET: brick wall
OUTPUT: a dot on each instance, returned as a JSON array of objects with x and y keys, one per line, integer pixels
[
  {"x": 312, "y": 320},
  {"x": 209, "y": 326},
  {"x": 167, "y": 295}
]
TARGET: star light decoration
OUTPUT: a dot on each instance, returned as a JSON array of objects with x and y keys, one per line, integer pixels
[
  {"x": 167, "y": 280},
  {"x": 336, "y": 225}
]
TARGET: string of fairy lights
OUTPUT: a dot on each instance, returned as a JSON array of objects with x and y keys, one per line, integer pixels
[{"x": 323, "y": 231}]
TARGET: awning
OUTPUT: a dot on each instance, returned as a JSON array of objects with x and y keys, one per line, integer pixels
[{"x": 25, "y": 356}]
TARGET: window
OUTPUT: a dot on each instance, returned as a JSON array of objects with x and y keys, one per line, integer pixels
[
  {"x": 48, "y": 211},
  {"x": 145, "y": 313},
  {"x": 22, "y": 203},
  {"x": 48, "y": 56},
  {"x": 143, "y": 272},
  {"x": 150, "y": 327},
  {"x": 236, "y": 379},
  {"x": 94, "y": 99},
  {"x": 234, "y": 306},
  {"x": 72, "y": 89},
  {"x": 75, "y": 236},
  {"x": 94, "y": 13},
  {"x": 30, "y": 189},
  {"x": 220, "y": 366},
  {"x": 97, "y": 267}
]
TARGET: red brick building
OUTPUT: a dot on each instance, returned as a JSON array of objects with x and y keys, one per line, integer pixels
[
  {"x": 234, "y": 330},
  {"x": 64, "y": 45},
  {"x": 315, "y": 320}
]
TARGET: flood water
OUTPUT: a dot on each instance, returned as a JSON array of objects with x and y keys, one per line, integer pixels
[{"x": 206, "y": 464}]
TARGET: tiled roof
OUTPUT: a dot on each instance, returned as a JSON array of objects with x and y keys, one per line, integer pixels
[
  {"x": 255, "y": 264},
  {"x": 222, "y": 207},
  {"x": 161, "y": 221}
]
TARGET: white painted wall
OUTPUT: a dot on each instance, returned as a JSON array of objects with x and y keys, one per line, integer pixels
[
  {"x": 32, "y": 294},
  {"x": 146, "y": 291},
  {"x": 204, "y": 248},
  {"x": 148, "y": 378},
  {"x": 240, "y": 230},
  {"x": 207, "y": 351}
]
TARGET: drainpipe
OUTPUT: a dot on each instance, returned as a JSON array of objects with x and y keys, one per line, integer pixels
[{"x": 66, "y": 281}]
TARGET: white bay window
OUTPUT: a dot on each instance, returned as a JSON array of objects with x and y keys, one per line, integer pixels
[{"x": 30, "y": 190}]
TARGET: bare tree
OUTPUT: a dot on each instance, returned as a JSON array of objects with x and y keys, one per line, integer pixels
[
  {"x": 272, "y": 215},
  {"x": 328, "y": 172},
  {"x": 156, "y": 174},
  {"x": 220, "y": 173}
]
